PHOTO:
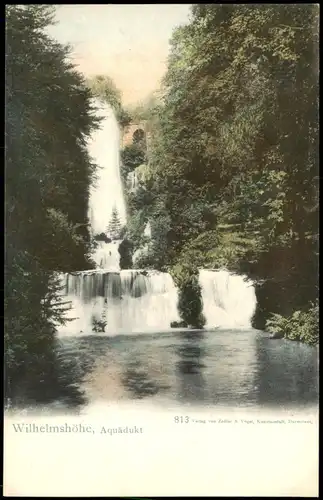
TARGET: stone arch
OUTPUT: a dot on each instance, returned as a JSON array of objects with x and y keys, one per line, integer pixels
[{"x": 130, "y": 133}]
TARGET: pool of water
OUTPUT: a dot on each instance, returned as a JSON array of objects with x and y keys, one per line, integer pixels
[{"x": 223, "y": 368}]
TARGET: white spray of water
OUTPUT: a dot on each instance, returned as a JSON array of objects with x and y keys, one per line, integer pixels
[
  {"x": 229, "y": 300},
  {"x": 106, "y": 255},
  {"x": 107, "y": 192},
  {"x": 107, "y": 300},
  {"x": 120, "y": 302},
  {"x": 132, "y": 181},
  {"x": 113, "y": 302},
  {"x": 147, "y": 230}
]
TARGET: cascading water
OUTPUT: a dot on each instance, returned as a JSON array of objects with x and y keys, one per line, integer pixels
[
  {"x": 107, "y": 192},
  {"x": 107, "y": 300},
  {"x": 115, "y": 302},
  {"x": 106, "y": 255},
  {"x": 132, "y": 180},
  {"x": 229, "y": 300},
  {"x": 147, "y": 230}
]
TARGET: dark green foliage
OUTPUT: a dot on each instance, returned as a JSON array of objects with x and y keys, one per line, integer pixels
[
  {"x": 98, "y": 326},
  {"x": 123, "y": 117},
  {"x": 178, "y": 324},
  {"x": 138, "y": 201},
  {"x": 131, "y": 157},
  {"x": 102, "y": 237},
  {"x": 301, "y": 326},
  {"x": 48, "y": 177},
  {"x": 190, "y": 303},
  {"x": 125, "y": 250},
  {"x": 135, "y": 228},
  {"x": 234, "y": 150}
]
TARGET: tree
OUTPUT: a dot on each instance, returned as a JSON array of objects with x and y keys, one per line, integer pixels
[
  {"x": 234, "y": 153},
  {"x": 104, "y": 88},
  {"x": 114, "y": 227},
  {"x": 49, "y": 118}
]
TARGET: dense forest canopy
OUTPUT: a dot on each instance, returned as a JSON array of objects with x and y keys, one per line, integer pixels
[
  {"x": 48, "y": 177},
  {"x": 234, "y": 158}
]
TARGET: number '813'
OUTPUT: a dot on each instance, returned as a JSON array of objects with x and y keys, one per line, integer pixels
[{"x": 181, "y": 420}]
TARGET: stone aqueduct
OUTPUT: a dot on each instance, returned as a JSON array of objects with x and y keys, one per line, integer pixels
[{"x": 134, "y": 131}]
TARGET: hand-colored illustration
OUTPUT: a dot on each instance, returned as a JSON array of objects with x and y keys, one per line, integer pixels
[{"x": 161, "y": 206}]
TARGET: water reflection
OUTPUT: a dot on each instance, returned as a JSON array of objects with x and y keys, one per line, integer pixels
[
  {"x": 59, "y": 384},
  {"x": 231, "y": 368},
  {"x": 287, "y": 372},
  {"x": 189, "y": 366},
  {"x": 138, "y": 382}
]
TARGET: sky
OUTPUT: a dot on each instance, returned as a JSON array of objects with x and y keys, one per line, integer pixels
[{"x": 130, "y": 43}]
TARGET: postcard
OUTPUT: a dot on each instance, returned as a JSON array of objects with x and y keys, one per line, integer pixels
[{"x": 161, "y": 271}]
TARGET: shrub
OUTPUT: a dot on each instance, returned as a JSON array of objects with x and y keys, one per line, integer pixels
[
  {"x": 301, "y": 326},
  {"x": 102, "y": 237},
  {"x": 190, "y": 304},
  {"x": 98, "y": 326},
  {"x": 178, "y": 324},
  {"x": 125, "y": 250}
]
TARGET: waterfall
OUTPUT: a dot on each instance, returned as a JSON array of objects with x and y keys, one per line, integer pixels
[
  {"x": 119, "y": 302},
  {"x": 107, "y": 191},
  {"x": 147, "y": 230},
  {"x": 106, "y": 255},
  {"x": 132, "y": 181},
  {"x": 109, "y": 301},
  {"x": 229, "y": 300},
  {"x": 112, "y": 301}
]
